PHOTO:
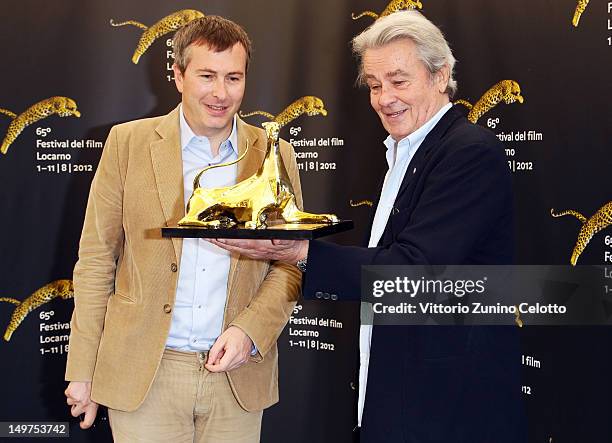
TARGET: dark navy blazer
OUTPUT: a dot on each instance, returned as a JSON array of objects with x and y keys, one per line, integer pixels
[{"x": 434, "y": 383}]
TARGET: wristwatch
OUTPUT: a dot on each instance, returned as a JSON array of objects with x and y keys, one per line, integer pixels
[{"x": 301, "y": 264}]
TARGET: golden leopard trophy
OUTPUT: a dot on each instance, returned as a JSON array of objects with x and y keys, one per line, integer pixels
[{"x": 266, "y": 195}]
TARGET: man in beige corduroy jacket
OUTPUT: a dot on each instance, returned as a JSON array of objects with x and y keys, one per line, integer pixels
[{"x": 125, "y": 326}]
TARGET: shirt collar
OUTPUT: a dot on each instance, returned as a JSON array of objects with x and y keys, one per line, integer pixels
[
  {"x": 187, "y": 134},
  {"x": 414, "y": 140}
]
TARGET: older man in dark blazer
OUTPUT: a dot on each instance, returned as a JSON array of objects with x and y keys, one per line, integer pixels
[{"x": 446, "y": 199}]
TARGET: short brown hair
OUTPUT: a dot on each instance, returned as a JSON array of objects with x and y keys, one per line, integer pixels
[{"x": 218, "y": 33}]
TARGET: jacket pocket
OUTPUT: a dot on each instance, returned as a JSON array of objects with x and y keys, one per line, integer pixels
[{"x": 120, "y": 296}]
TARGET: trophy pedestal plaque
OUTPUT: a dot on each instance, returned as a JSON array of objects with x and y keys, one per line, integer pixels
[{"x": 281, "y": 231}]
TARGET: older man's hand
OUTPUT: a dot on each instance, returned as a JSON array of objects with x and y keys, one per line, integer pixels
[{"x": 289, "y": 251}]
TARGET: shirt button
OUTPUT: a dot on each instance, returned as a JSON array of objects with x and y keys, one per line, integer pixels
[
  {"x": 173, "y": 267},
  {"x": 167, "y": 308}
]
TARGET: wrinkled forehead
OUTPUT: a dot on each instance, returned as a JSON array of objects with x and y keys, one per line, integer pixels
[{"x": 390, "y": 61}]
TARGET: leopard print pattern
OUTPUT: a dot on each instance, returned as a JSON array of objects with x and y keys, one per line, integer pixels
[
  {"x": 580, "y": 8},
  {"x": 62, "y": 106},
  {"x": 166, "y": 25},
  {"x": 393, "y": 6},
  {"x": 600, "y": 220},
  {"x": 58, "y": 288},
  {"x": 507, "y": 91},
  {"x": 309, "y": 105}
]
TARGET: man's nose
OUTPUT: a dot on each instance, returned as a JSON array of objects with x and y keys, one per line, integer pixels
[
  {"x": 386, "y": 97},
  {"x": 219, "y": 89}
]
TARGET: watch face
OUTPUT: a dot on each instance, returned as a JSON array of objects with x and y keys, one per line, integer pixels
[{"x": 301, "y": 265}]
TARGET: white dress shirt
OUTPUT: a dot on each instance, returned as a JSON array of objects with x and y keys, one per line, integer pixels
[
  {"x": 398, "y": 156},
  {"x": 201, "y": 293}
]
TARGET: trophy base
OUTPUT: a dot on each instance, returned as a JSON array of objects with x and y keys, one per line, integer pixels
[{"x": 282, "y": 231}]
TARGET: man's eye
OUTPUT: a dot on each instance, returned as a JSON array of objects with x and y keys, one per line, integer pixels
[
  {"x": 374, "y": 87},
  {"x": 234, "y": 79},
  {"x": 206, "y": 76},
  {"x": 399, "y": 82}
]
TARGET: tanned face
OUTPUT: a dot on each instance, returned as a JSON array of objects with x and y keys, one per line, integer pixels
[
  {"x": 403, "y": 92},
  {"x": 212, "y": 87}
]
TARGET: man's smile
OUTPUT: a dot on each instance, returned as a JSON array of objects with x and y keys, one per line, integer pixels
[
  {"x": 394, "y": 114},
  {"x": 216, "y": 109}
]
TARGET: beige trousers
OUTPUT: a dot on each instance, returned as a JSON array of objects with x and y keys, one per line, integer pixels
[{"x": 186, "y": 403}]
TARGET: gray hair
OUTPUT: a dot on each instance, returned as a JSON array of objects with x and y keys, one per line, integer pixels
[{"x": 430, "y": 43}]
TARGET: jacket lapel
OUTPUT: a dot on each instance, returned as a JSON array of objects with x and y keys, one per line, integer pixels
[
  {"x": 168, "y": 169},
  {"x": 428, "y": 144},
  {"x": 414, "y": 168}
]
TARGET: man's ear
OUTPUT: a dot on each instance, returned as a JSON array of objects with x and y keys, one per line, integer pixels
[
  {"x": 442, "y": 77},
  {"x": 178, "y": 78}
]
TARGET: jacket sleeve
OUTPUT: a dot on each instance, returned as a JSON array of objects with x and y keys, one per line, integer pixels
[
  {"x": 94, "y": 274},
  {"x": 265, "y": 317},
  {"x": 466, "y": 195}
]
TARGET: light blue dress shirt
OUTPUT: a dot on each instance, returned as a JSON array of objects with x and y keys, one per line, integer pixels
[
  {"x": 201, "y": 293},
  {"x": 399, "y": 154}
]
